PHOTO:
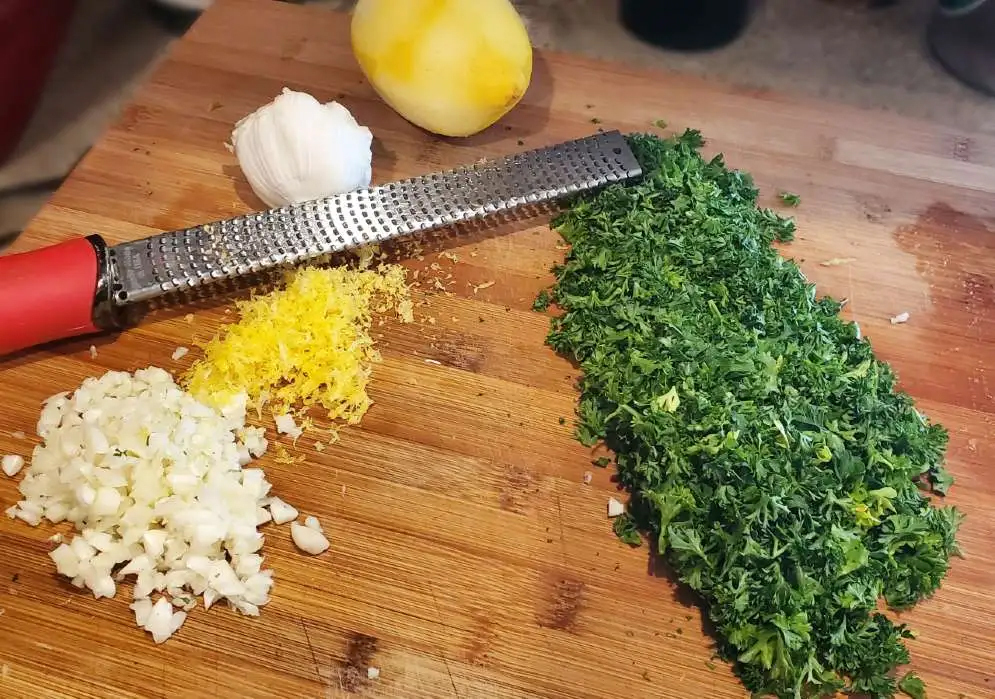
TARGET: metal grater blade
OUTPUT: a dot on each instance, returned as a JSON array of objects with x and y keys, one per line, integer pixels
[{"x": 189, "y": 258}]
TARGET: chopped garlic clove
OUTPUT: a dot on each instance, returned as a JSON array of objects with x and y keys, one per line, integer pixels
[
  {"x": 162, "y": 622},
  {"x": 11, "y": 464},
  {"x": 615, "y": 508},
  {"x": 246, "y": 608},
  {"x": 154, "y": 542},
  {"x": 285, "y": 425},
  {"x": 27, "y": 515},
  {"x": 281, "y": 511},
  {"x": 253, "y": 438},
  {"x": 137, "y": 566},
  {"x": 158, "y": 615},
  {"x": 177, "y": 621},
  {"x": 179, "y": 353},
  {"x": 308, "y": 540},
  {"x": 142, "y": 609},
  {"x": 151, "y": 478},
  {"x": 66, "y": 561},
  {"x": 900, "y": 318},
  {"x": 102, "y": 586},
  {"x": 313, "y": 523}
]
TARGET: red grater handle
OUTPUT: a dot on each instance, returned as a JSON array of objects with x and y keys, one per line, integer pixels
[{"x": 50, "y": 294}]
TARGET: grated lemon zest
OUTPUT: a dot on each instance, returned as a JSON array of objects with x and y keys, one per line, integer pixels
[
  {"x": 305, "y": 344},
  {"x": 285, "y": 457}
]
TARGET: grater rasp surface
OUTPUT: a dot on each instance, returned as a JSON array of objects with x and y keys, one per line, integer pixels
[{"x": 184, "y": 259}]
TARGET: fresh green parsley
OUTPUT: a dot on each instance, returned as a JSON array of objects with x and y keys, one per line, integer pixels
[
  {"x": 627, "y": 530},
  {"x": 912, "y": 685},
  {"x": 790, "y": 199},
  {"x": 785, "y": 479},
  {"x": 542, "y": 301}
]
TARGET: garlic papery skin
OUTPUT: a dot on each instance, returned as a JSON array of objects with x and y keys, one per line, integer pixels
[{"x": 296, "y": 149}]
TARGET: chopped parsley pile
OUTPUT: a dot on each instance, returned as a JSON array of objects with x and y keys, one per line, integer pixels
[{"x": 767, "y": 452}]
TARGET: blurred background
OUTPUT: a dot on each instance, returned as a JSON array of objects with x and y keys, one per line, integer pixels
[{"x": 922, "y": 58}]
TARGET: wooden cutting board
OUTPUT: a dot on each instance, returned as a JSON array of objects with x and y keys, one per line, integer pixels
[{"x": 468, "y": 557}]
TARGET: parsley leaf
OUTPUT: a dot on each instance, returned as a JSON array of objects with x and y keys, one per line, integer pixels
[
  {"x": 912, "y": 685},
  {"x": 769, "y": 456},
  {"x": 627, "y": 530},
  {"x": 790, "y": 199},
  {"x": 542, "y": 301}
]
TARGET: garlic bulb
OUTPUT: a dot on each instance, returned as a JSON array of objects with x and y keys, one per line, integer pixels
[{"x": 296, "y": 149}]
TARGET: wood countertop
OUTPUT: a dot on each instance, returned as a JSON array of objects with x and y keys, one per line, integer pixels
[{"x": 468, "y": 557}]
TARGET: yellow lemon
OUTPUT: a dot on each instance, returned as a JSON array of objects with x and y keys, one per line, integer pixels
[{"x": 452, "y": 67}]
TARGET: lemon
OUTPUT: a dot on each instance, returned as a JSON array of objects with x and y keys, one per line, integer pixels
[{"x": 452, "y": 67}]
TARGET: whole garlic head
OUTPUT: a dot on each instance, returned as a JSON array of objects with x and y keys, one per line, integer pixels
[{"x": 296, "y": 149}]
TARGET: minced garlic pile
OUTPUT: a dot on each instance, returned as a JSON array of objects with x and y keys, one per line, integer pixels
[{"x": 305, "y": 344}]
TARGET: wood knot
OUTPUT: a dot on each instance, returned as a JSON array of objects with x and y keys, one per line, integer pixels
[
  {"x": 962, "y": 149},
  {"x": 565, "y": 602},
  {"x": 458, "y": 352},
  {"x": 518, "y": 488},
  {"x": 359, "y": 652}
]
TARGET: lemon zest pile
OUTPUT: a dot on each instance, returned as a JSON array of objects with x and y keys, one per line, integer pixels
[{"x": 306, "y": 344}]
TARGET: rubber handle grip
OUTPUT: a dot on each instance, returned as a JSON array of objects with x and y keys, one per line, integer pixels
[{"x": 47, "y": 294}]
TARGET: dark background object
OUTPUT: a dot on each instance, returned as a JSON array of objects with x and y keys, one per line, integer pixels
[
  {"x": 962, "y": 37},
  {"x": 176, "y": 20},
  {"x": 31, "y": 33},
  {"x": 686, "y": 25}
]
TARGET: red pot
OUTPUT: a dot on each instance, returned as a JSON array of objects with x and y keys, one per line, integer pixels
[{"x": 31, "y": 32}]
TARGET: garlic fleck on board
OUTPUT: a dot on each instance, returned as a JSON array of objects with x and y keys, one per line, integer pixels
[
  {"x": 296, "y": 149},
  {"x": 615, "y": 508},
  {"x": 308, "y": 540}
]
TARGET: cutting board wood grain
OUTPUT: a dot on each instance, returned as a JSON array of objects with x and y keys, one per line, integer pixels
[{"x": 469, "y": 559}]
